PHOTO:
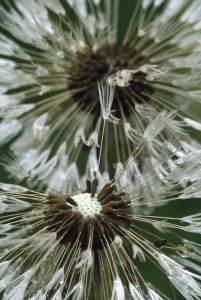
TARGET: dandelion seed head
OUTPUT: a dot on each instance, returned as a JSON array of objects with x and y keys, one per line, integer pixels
[
  {"x": 53, "y": 55},
  {"x": 63, "y": 244},
  {"x": 94, "y": 219}
]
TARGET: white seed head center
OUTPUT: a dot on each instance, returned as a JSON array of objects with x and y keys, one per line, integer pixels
[{"x": 87, "y": 206}]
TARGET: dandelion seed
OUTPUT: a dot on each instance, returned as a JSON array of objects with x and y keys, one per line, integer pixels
[
  {"x": 52, "y": 56},
  {"x": 106, "y": 102},
  {"x": 158, "y": 124}
]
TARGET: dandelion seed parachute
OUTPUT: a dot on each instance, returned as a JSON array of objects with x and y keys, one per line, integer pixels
[
  {"x": 52, "y": 55},
  {"x": 95, "y": 243}
]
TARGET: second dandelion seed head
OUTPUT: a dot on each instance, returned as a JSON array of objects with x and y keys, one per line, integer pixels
[{"x": 89, "y": 219}]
